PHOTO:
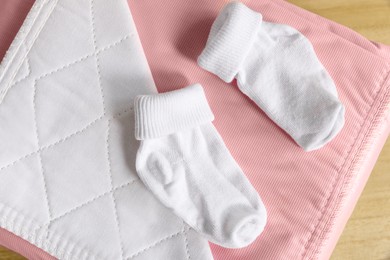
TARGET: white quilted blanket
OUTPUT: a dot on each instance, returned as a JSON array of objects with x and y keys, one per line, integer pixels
[{"x": 67, "y": 149}]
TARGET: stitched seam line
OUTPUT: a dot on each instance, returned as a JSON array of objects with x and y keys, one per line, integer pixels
[
  {"x": 29, "y": 21},
  {"x": 26, "y": 76},
  {"x": 94, "y": 121},
  {"x": 86, "y": 203},
  {"x": 3, "y": 216},
  {"x": 186, "y": 244},
  {"x": 8, "y": 223},
  {"x": 96, "y": 55},
  {"x": 39, "y": 155},
  {"x": 85, "y": 57},
  {"x": 112, "y": 193},
  {"x": 46, "y": 243},
  {"x": 157, "y": 243},
  {"x": 4, "y": 91},
  {"x": 89, "y": 254},
  {"x": 358, "y": 151},
  {"x": 42, "y": 148},
  {"x": 336, "y": 179},
  {"x": 109, "y": 46}
]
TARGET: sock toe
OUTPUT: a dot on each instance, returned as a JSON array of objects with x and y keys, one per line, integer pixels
[
  {"x": 245, "y": 226},
  {"x": 316, "y": 141}
]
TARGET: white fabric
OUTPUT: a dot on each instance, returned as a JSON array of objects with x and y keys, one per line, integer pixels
[
  {"x": 68, "y": 182},
  {"x": 165, "y": 114},
  {"x": 192, "y": 172},
  {"x": 276, "y": 66}
]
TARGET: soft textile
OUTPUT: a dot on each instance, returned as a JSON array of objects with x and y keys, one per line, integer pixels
[
  {"x": 309, "y": 196},
  {"x": 164, "y": 28},
  {"x": 182, "y": 159},
  {"x": 67, "y": 158},
  {"x": 277, "y": 68}
]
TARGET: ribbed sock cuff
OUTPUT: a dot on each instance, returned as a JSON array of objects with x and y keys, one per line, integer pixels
[
  {"x": 163, "y": 114},
  {"x": 231, "y": 36}
]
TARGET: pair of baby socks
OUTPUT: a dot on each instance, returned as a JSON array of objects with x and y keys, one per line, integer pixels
[{"x": 183, "y": 160}]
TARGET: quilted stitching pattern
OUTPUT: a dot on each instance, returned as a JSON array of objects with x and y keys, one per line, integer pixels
[{"x": 75, "y": 165}]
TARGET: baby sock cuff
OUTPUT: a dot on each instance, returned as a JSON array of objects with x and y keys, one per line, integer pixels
[
  {"x": 231, "y": 36},
  {"x": 163, "y": 114}
]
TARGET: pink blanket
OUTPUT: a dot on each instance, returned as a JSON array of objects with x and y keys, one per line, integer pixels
[{"x": 309, "y": 196}]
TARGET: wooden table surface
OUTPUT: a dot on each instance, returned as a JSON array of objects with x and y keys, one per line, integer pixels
[{"x": 367, "y": 234}]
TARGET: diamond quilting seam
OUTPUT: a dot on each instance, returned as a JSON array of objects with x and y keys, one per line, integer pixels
[
  {"x": 44, "y": 147},
  {"x": 49, "y": 235}
]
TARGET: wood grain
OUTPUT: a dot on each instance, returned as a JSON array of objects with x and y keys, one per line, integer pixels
[
  {"x": 367, "y": 234},
  {"x": 5, "y": 254}
]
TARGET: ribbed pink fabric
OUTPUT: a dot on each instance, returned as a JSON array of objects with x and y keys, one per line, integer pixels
[
  {"x": 309, "y": 196},
  {"x": 16, "y": 244}
]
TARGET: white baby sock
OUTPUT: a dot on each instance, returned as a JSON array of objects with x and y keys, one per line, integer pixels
[
  {"x": 183, "y": 160},
  {"x": 275, "y": 66}
]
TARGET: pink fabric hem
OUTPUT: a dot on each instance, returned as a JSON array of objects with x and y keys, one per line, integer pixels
[
  {"x": 351, "y": 198},
  {"x": 348, "y": 178},
  {"x": 21, "y": 246}
]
